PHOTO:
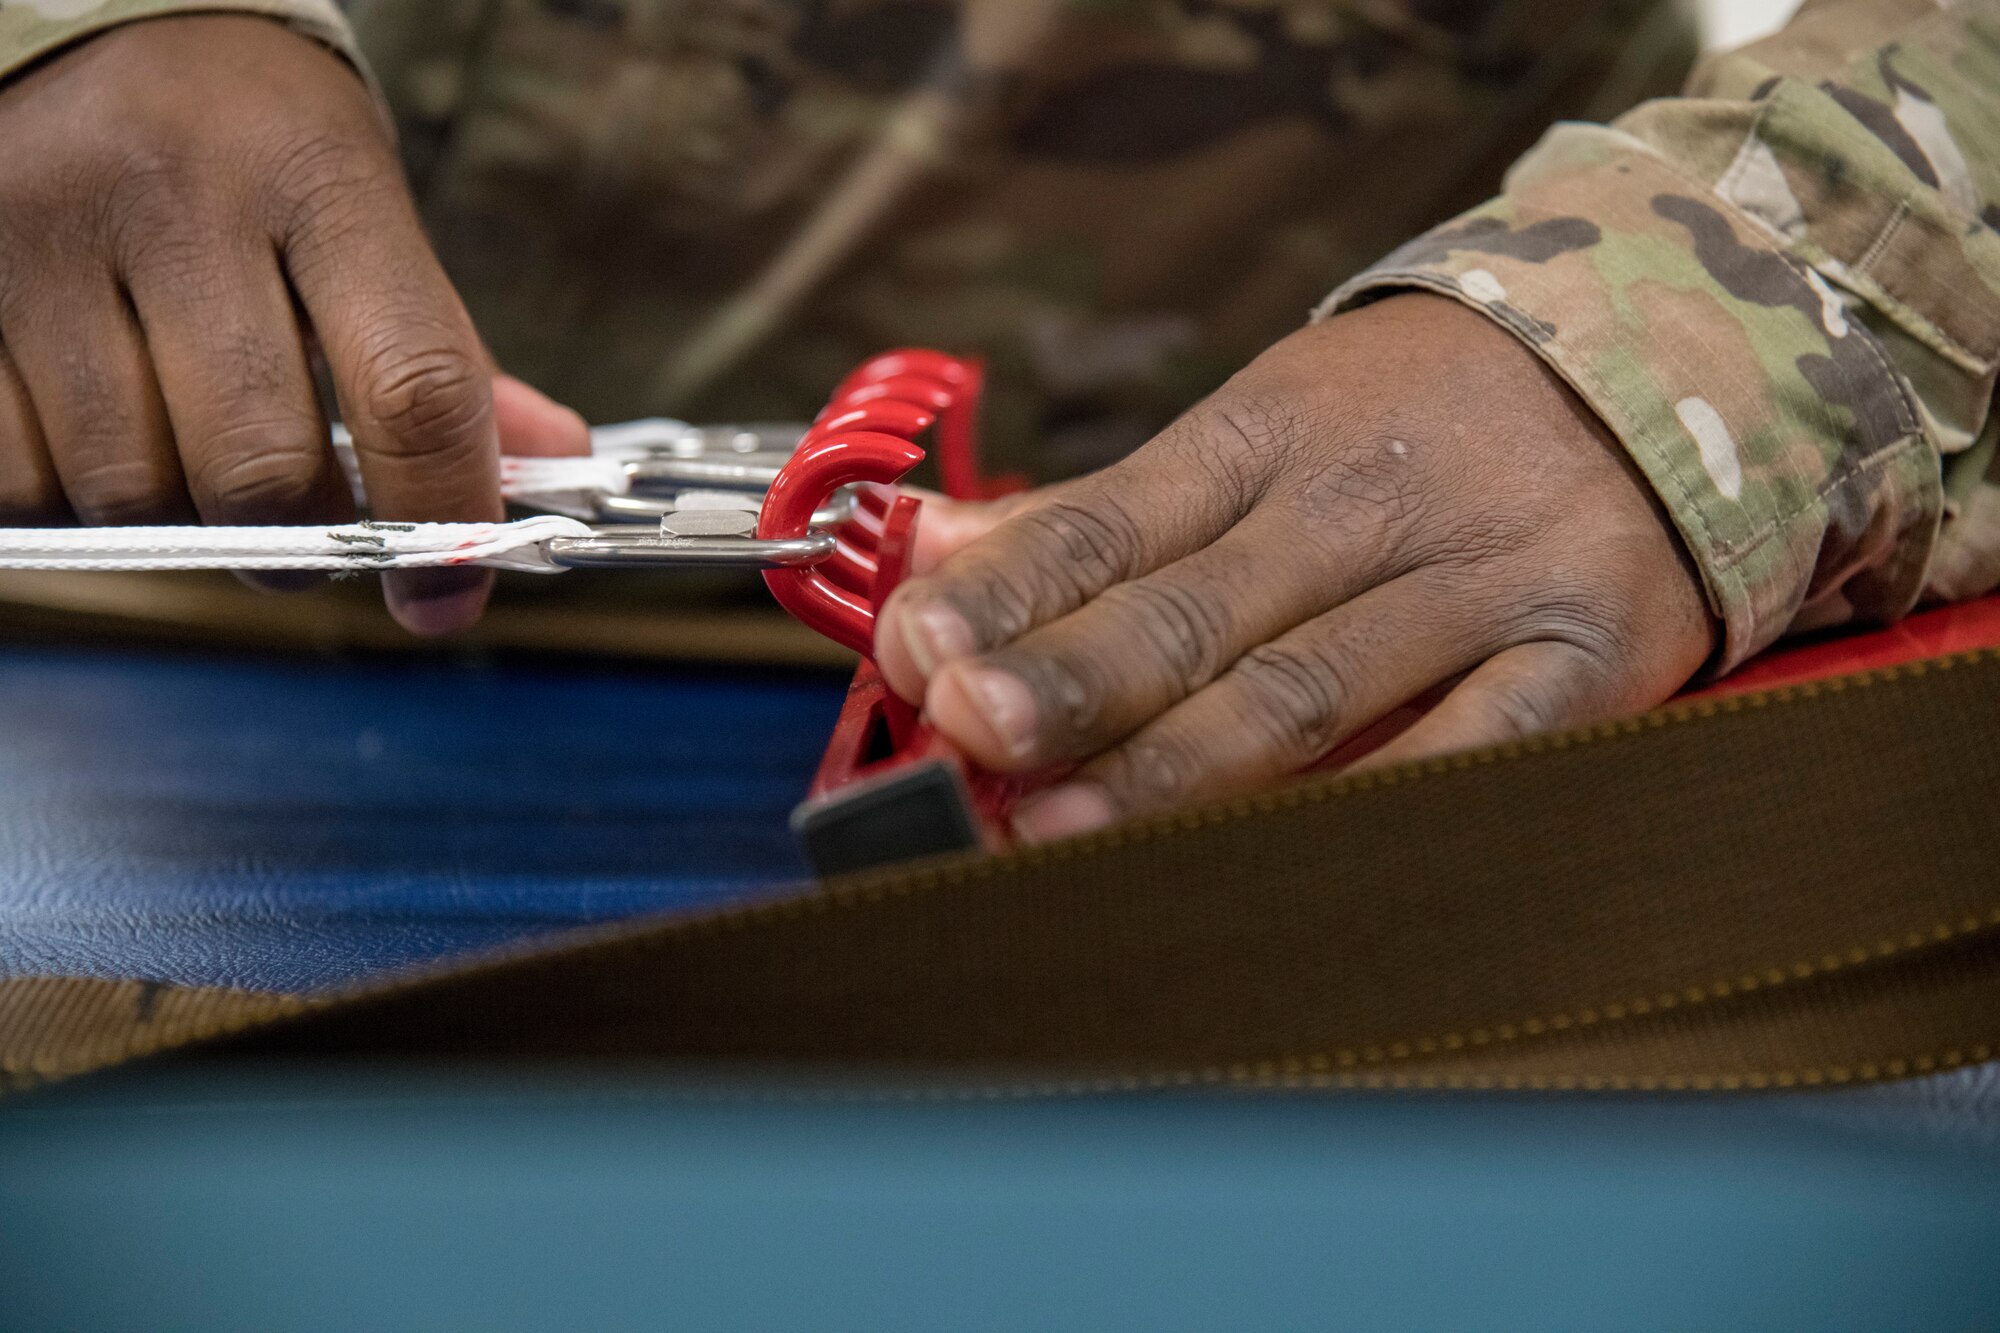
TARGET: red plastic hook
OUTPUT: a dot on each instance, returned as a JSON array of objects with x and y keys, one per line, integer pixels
[
  {"x": 884, "y": 416},
  {"x": 954, "y": 371},
  {"x": 884, "y": 403},
  {"x": 954, "y": 385},
  {"x": 821, "y": 467},
  {"x": 882, "y": 749}
]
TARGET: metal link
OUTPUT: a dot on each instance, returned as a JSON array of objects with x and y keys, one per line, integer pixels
[
  {"x": 752, "y": 472},
  {"x": 651, "y": 509},
  {"x": 668, "y": 465},
  {"x": 633, "y": 548}
]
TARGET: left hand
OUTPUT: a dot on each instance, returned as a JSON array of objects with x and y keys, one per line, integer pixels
[{"x": 1393, "y": 499}]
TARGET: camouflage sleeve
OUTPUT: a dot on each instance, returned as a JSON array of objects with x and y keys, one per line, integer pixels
[
  {"x": 32, "y": 29},
  {"x": 1782, "y": 292}
]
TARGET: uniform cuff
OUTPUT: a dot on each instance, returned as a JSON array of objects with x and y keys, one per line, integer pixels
[
  {"x": 1767, "y": 418},
  {"x": 33, "y": 29}
]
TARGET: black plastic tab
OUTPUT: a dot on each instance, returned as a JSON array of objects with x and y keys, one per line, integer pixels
[{"x": 919, "y": 810}]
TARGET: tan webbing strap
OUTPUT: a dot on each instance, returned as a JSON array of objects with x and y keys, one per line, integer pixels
[
  {"x": 1789, "y": 889},
  {"x": 56, "y": 1027}
]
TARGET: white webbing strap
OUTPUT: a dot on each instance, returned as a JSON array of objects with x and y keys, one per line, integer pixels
[{"x": 361, "y": 547}]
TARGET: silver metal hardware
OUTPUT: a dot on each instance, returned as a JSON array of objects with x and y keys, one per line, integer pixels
[
  {"x": 693, "y": 497},
  {"x": 709, "y": 523},
  {"x": 745, "y": 472},
  {"x": 652, "y": 508},
  {"x": 628, "y": 547}
]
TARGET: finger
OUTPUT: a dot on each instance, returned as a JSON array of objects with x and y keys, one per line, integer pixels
[
  {"x": 1174, "y": 496},
  {"x": 950, "y": 525},
  {"x": 1535, "y": 688},
  {"x": 410, "y": 373},
  {"x": 533, "y": 425},
  {"x": 30, "y": 493},
  {"x": 1275, "y": 712},
  {"x": 246, "y": 417},
  {"x": 84, "y": 362},
  {"x": 1068, "y": 690}
]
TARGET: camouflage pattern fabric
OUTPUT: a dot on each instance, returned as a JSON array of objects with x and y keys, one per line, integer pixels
[
  {"x": 1780, "y": 292},
  {"x": 713, "y": 208},
  {"x": 32, "y": 29}
]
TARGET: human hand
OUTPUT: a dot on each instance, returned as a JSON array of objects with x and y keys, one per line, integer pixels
[
  {"x": 1382, "y": 503},
  {"x": 180, "y": 199}
]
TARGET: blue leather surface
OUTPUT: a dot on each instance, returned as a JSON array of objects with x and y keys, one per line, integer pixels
[
  {"x": 292, "y": 826},
  {"x": 343, "y": 1199}
]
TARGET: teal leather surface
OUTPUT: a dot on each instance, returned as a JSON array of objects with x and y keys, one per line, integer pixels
[{"x": 346, "y": 1199}]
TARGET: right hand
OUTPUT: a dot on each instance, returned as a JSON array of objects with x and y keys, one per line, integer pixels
[{"x": 181, "y": 199}]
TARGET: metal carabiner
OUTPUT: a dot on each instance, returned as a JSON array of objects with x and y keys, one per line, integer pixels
[
  {"x": 691, "y": 538},
  {"x": 839, "y": 508},
  {"x": 673, "y": 456}
]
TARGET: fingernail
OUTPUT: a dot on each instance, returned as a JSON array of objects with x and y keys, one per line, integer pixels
[
  {"x": 431, "y": 602},
  {"x": 934, "y": 634},
  {"x": 1063, "y": 812},
  {"x": 1004, "y": 704}
]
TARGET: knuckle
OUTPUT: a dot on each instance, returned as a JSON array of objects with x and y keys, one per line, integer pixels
[
  {"x": 251, "y": 365},
  {"x": 1000, "y": 603},
  {"x": 153, "y": 203},
  {"x": 1368, "y": 495},
  {"x": 1296, "y": 698},
  {"x": 1185, "y": 628},
  {"x": 322, "y": 188},
  {"x": 1237, "y": 442},
  {"x": 154, "y": 178},
  {"x": 1523, "y": 705},
  {"x": 1485, "y": 537},
  {"x": 1097, "y": 540},
  {"x": 1060, "y": 553},
  {"x": 1255, "y": 429},
  {"x": 262, "y": 468},
  {"x": 51, "y": 219},
  {"x": 1557, "y": 692},
  {"x": 1593, "y": 624},
  {"x": 102, "y": 420},
  {"x": 428, "y": 399},
  {"x": 1152, "y": 771},
  {"x": 121, "y": 492},
  {"x": 1069, "y": 694}
]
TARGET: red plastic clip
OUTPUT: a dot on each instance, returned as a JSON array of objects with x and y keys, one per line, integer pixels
[
  {"x": 825, "y": 598},
  {"x": 889, "y": 787}
]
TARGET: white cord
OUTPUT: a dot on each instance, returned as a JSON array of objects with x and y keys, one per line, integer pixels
[{"x": 346, "y": 548}]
